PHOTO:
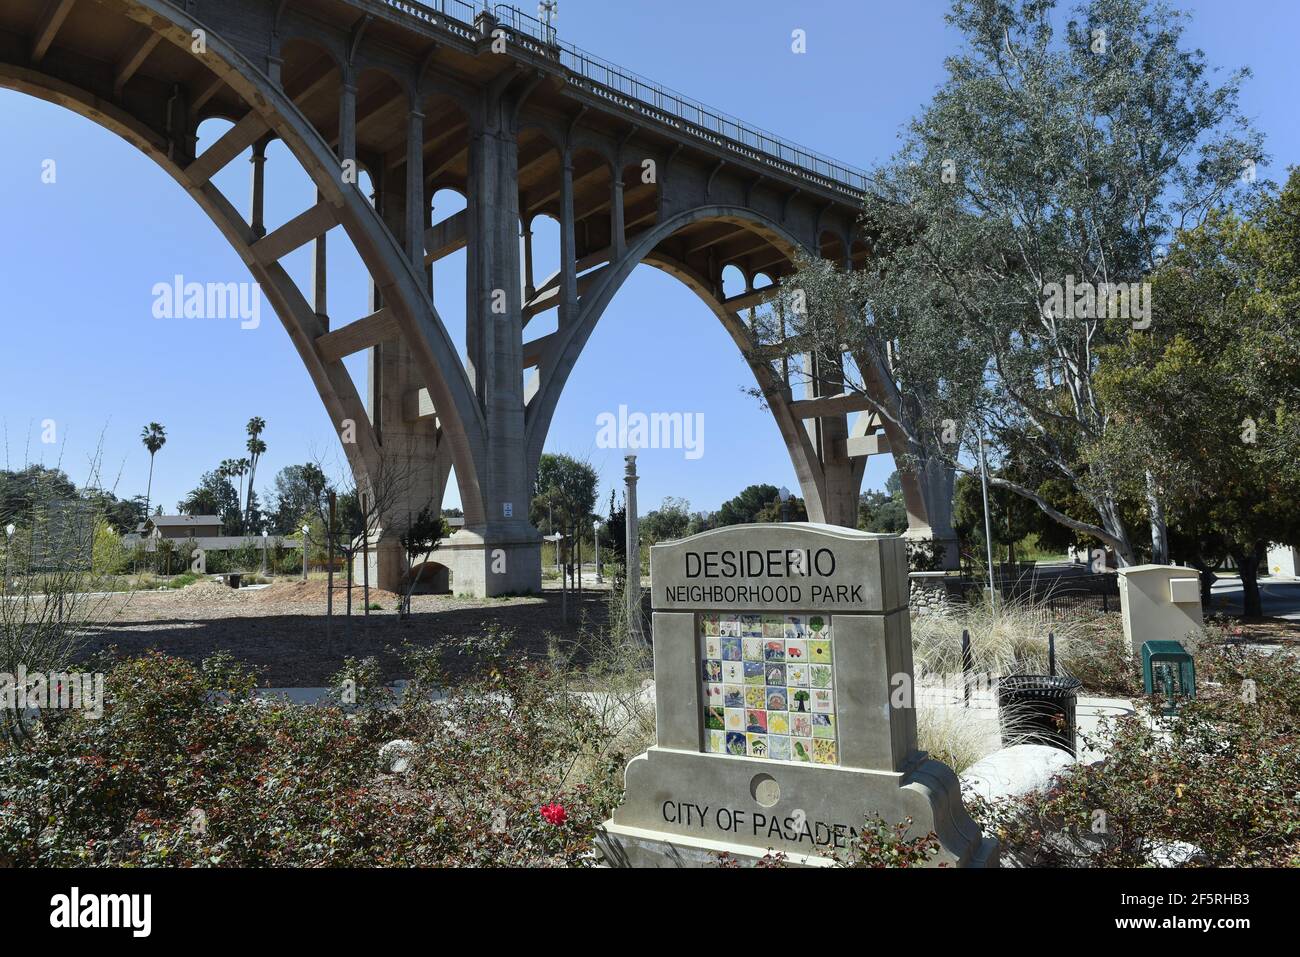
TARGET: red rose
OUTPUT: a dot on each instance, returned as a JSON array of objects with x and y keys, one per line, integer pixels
[{"x": 553, "y": 814}]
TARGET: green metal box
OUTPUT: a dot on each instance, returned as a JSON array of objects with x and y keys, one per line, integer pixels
[{"x": 1168, "y": 667}]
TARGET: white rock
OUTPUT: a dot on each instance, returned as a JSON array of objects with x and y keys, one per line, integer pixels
[
  {"x": 395, "y": 756},
  {"x": 1015, "y": 771},
  {"x": 1173, "y": 853}
]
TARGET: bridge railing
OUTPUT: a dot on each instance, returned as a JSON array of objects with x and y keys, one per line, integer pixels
[{"x": 640, "y": 95}]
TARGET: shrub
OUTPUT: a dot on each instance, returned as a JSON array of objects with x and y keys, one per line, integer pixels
[
  {"x": 1222, "y": 774},
  {"x": 187, "y": 768}
]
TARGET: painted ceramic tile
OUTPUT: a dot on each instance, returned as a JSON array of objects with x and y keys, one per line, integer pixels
[
  {"x": 800, "y": 700},
  {"x": 778, "y": 747},
  {"x": 769, "y": 687}
]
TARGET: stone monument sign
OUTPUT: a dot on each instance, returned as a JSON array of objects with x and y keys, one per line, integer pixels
[{"x": 784, "y": 705}]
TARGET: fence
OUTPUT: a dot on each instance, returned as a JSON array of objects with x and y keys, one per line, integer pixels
[
  {"x": 1061, "y": 592},
  {"x": 633, "y": 92}
]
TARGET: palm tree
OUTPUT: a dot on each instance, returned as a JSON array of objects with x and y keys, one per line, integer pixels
[
  {"x": 154, "y": 437},
  {"x": 231, "y": 469},
  {"x": 255, "y": 447}
]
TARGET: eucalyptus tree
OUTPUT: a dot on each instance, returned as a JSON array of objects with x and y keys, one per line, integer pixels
[{"x": 1013, "y": 234}]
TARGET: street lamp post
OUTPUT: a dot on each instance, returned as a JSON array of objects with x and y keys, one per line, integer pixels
[
  {"x": 306, "y": 539},
  {"x": 263, "y": 553},
  {"x": 595, "y": 534},
  {"x": 785, "y": 497},
  {"x": 9, "y": 547}
]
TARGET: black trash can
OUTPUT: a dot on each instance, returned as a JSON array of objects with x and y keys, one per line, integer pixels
[{"x": 1038, "y": 709}]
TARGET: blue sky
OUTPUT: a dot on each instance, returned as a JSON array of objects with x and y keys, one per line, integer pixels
[{"x": 79, "y": 258}]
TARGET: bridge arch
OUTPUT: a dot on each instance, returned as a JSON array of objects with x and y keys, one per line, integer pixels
[
  {"x": 272, "y": 114},
  {"x": 648, "y": 247}
]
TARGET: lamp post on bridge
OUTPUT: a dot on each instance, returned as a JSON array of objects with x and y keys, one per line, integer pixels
[
  {"x": 595, "y": 534},
  {"x": 306, "y": 538}
]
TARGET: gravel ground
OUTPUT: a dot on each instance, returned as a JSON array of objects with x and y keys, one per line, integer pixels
[{"x": 281, "y": 630}]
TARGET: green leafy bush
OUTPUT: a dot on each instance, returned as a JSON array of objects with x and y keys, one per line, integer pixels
[
  {"x": 1222, "y": 774},
  {"x": 187, "y": 768}
]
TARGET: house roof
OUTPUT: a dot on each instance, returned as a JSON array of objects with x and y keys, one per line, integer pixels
[{"x": 165, "y": 520}]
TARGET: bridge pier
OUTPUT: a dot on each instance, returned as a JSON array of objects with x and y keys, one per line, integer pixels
[{"x": 498, "y": 551}]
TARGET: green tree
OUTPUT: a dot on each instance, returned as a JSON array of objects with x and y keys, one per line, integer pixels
[
  {"x": 1050, "y": 159},
  {"x": 299, "y": 490},
  {"x": 744, "y": 508},
  {"x": 669, "y": 521},
  {"x": 1193, "y": 409},
  {"x": 214, "y": 495},
  {"x": 154, "y": 437},
  {"x": 256, "y": 446}
]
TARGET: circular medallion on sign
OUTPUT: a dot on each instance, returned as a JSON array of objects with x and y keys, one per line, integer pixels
[{"x": 765, "y": 790}]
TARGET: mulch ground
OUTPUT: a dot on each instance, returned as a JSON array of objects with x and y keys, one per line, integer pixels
[{"x": 282, "y": 631}]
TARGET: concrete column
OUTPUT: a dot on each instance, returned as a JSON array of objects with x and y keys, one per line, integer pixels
[
  {"x": 838, "y": 498},
  {"x": 502, "y": 553},
  {"x": 530, "y": 289},
  {"x": 633, "y": 589},
  {"x": 568, "y": 246},
  {"x": 411, "y": 477},
  {"x": 415, "y": 204},
  {"x": 258, "y": 200},
  {"x": 348, "y": 119},
  {"x": 318, "y": 276},
  {"x": 619, "y": 239}
]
